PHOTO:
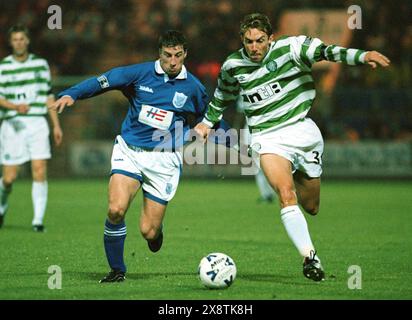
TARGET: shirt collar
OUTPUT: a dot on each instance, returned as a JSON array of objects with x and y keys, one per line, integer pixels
[
  {"x": 181, "y": 76},
  {"x": 29, "y": 57}
]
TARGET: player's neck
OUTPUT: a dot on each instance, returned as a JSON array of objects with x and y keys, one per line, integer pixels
[{"x": 22, "y": 57}]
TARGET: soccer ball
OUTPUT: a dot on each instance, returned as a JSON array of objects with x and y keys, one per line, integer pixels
[{"x": 217, "y": 270}]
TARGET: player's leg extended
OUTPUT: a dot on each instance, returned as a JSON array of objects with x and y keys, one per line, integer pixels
[
  {"x": 122, "y": 190},
  {"x": 278, "y": 170},
  {"x": 308, "y": 191},
  {"x": 39, "y": 192},
  {"x": 151, "y": 223},
  {"x": 6, "y": 182}
]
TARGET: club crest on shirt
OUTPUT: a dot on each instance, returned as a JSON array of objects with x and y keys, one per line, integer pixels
[
  {"x": 272, "y": 65},
  {"x": 179, "y": 99},
  {"x": 169, "y": 188}
]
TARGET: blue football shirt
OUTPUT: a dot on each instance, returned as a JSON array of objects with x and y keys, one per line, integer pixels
[{"x": 159, "y": 106}]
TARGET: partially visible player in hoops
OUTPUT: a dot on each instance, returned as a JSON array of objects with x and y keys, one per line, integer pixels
[{"x": 25, "y": 93}]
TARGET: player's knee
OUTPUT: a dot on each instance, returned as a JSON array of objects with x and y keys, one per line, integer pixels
[
  {"x": 39, "y": 173},
  {"x": 148, "y": 231},
  {"x": 311, "y": 207},
  {"x": 9, "y": 180},
  {"x": 116, "y": 213},
  {"x": 287, "y": 196}
]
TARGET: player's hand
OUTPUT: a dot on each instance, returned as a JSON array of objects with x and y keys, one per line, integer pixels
[
  {"x": 373, "y": 58},
  {"x": 57, "y": 135},
  {"x": 202, "y": 130},
  {"x": 22, "y": 108},
  {"x": 61, "y": 103}
]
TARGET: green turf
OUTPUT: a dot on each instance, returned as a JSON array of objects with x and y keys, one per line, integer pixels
[{"x": 366, "y": 224}]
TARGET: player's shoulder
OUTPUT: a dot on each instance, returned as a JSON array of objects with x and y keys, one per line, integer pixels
[
  {"x": 147, "y": 65},
  {"x": 193, "y": 80},
  {"x": 298, "y": 39},
  {"x": 284, "y": 40},
  {"x": 38, "y": 59},
  {"x": 6, "y": 61},
  {"x": 136, "y": 70},
  {"x": 234, "y": 59}
]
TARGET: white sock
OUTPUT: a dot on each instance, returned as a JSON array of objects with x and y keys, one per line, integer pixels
[
  {"x": 39, "y": 197},
  {"x": 297, "y": 229},
  {"x": 4, "y": 195}
]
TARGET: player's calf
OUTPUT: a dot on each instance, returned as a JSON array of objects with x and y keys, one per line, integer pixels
[{"x": 153, "y": 236}]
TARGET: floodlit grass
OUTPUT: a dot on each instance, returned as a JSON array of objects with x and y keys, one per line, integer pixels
[{"x": 367, "y": 224}]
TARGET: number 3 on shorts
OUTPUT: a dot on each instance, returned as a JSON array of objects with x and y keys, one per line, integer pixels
[{"x": 317, "y": 156}]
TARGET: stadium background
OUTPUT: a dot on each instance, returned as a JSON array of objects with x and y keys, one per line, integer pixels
[{"x": 365, "y": 115}]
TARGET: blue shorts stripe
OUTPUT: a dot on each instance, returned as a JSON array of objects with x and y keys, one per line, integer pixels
[
  {"x": 128, "y": 174},
  {"x": 154, "y": 198}
]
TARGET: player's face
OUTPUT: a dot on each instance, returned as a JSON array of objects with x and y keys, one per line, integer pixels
[
  {"x": 256, "y": 43},
  {"x": 172, "y": 59},
  {"x": 19, "y": 43}
]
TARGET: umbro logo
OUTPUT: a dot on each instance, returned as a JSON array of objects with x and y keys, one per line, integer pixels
[
  {"x": 147, "y": 89},
  {"x": 119, "y": 159}
]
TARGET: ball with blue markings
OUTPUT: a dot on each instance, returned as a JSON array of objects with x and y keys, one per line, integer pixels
[{"x": 217, "y": 270}]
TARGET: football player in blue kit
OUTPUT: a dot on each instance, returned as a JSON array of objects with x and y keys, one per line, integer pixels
[{"x": 147, "y": 154}]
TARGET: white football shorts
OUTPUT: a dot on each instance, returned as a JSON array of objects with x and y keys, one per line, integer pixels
[
  {"x": 158, "y": 172},
  {"x": 23, "y": 139},
  {"x": 301, "y": 143}
]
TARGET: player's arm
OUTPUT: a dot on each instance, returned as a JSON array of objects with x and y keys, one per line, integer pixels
[
  {"x": 21, "y": 108},
  {"x": 57, "y": 130},
  {"x": 225, "y": 95},
  {"x": 310, "y": 50},
  {"x": 113, "y": 79}
]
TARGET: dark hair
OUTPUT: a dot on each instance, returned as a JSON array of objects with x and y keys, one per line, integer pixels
[
  {"x": 172, "y": 38},
  {"x": 19, "y": 28},
  {"x": 256, "y": 21}
]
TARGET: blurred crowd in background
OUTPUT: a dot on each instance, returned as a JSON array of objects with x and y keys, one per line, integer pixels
[{"x": 101, "y": 34}]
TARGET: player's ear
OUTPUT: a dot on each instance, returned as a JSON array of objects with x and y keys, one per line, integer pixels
[
  {"x": 185, "y": 55},
  {"x": 272, "y": 38}
]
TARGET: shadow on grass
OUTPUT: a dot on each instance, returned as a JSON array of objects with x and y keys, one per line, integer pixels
[
  {"x": 17, "y": 227},
  {"x": 270, "y": 278},
  {"x": 131, "y": 276}
]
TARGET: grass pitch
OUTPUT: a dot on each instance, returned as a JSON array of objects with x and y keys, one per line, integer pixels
[{"x": 365, "y": 224}]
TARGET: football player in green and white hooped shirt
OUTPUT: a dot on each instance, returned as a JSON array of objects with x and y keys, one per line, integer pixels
[
  {"x": 273, "y": 78},
  {"x": 25, "y": 92}
]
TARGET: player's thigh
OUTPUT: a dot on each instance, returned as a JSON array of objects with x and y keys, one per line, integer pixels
[
  {"x": 122, "y": 190},
  {"x": 38, "y": 141},
  {"x": 278, "y": 171},
  {"x": 9, "y": 173},
  {"x": 152, "y": 215},
  {"x": 13, "y": 146},
  {"x": 308, "y": 191},
  {"x": 39, "y": 170}
]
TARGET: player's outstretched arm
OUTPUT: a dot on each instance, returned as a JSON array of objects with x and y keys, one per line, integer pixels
[
  {"x": 374, "y": 58},
  {"x": 61, "y": 103}
]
